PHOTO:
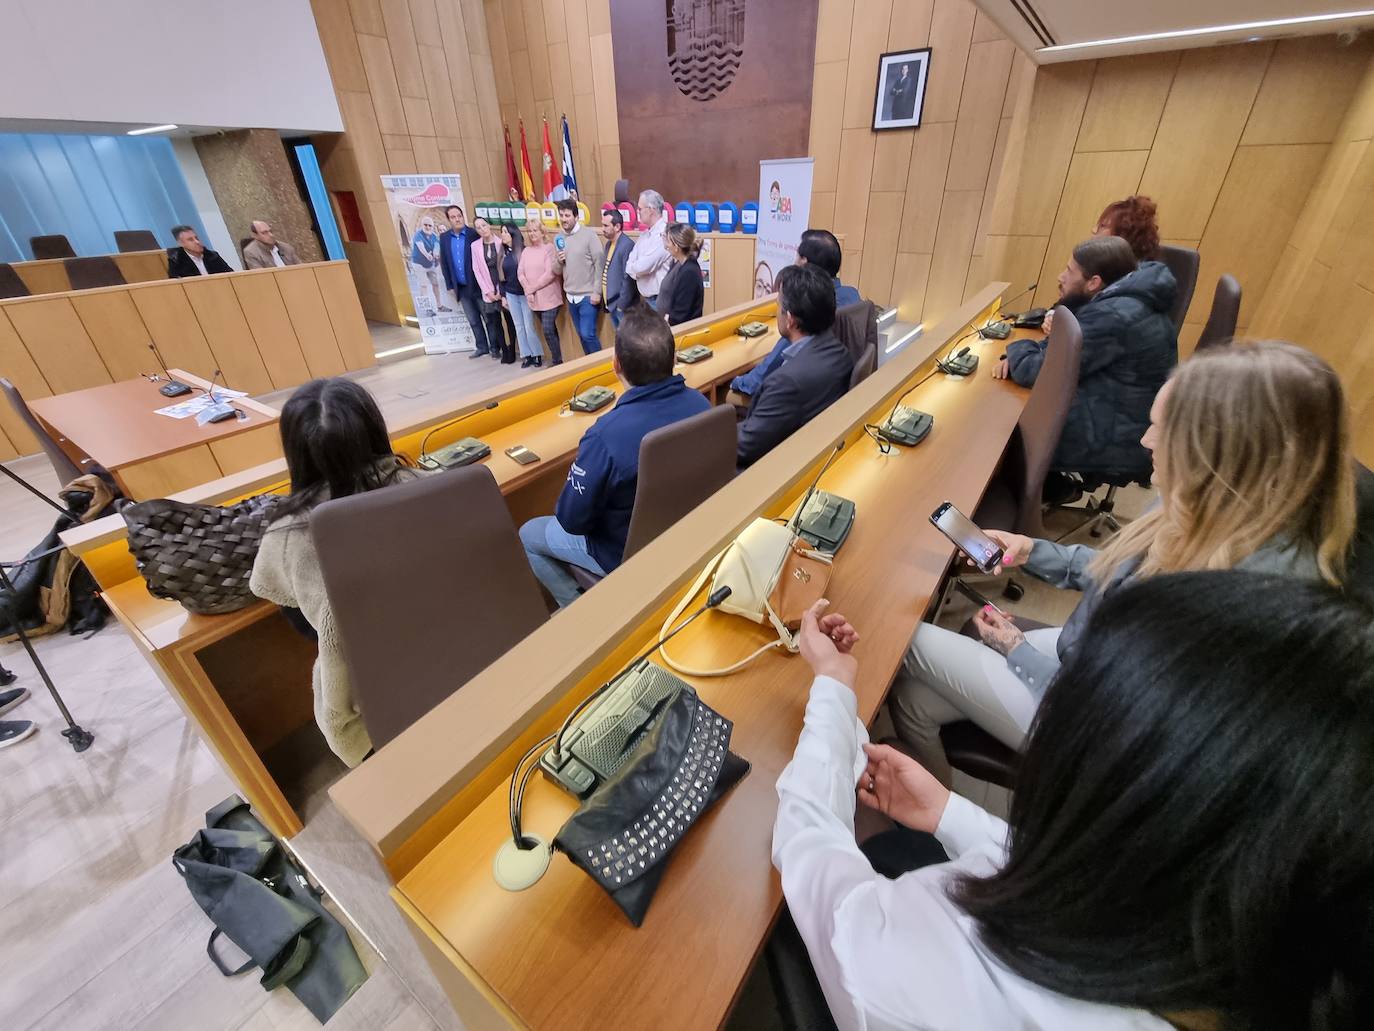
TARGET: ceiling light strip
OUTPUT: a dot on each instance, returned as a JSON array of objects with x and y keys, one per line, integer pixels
[
  {"x": 150, "y": 128},
  {"x": 1246, "y": 26}
]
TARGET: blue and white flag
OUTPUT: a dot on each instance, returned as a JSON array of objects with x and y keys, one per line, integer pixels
[{"x": 569, "y": 176}]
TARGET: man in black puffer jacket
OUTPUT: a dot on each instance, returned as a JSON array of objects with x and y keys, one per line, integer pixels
[{"x": 1129, "y": 347}]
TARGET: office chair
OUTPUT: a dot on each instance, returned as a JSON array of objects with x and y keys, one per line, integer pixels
[
  {"x": 47, "y": 247},
  {"x": 857, "y": 327},
  {"x": 680, "y": 466},
  {"x": 127, "y": 240},
  {"x": 65, "y": 469},
  {"x": 10, "y": 283},
  {"x": 864, "y": 366},
  {"x": 622, "y": 192},
  {"x": 419, "y": 614},
  {"x": 1221, "y": 323},
  {"x": 91, "y": 273},
  {"x": 1184, "y": 264},
  {"x": 1359, "y": 571}
]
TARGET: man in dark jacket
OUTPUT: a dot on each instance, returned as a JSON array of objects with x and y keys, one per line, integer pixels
[
  {"x": 455, "y": 259},
  {"x": 1129, "y": 347},
  {"x": 617, "y": 289},
  {"x": 814, "y": 370},
  {"x": 592, "y": 518},
  {"x": 190, "y": 257}
]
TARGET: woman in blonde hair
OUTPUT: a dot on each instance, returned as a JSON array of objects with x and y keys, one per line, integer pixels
[
  {"x": 681, "y": 294},
  {"x": 1251, "y": 452}
]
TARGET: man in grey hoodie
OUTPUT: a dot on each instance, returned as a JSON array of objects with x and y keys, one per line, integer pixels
[{"x": 580, "y": 253}]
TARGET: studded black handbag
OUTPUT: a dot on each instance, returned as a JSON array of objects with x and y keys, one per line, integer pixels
[{"x": 626, "y": 830}]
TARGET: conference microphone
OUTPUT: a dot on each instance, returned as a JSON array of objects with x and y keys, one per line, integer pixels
[
  {"x": 593, "y": 400},
  {"x": 522, "y": 860},
  {"x": 454, "y": 422},
  {"x": 795, "y": 521},
  {"x": 172, "y": 388},
  {"x": 696, "y": 352},
  {"x": 217, "y": 410},
  {"x": 1007, "y": 304},
  {"x": 961, "y": 363}
]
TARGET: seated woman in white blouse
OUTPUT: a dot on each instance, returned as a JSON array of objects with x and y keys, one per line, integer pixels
[{"x": 1189, "y": 846}]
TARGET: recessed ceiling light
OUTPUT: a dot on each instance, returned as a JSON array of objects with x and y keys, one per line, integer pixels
[
  {"x": 1245, "y": 26},
  {"x": 150, "y": 128}
]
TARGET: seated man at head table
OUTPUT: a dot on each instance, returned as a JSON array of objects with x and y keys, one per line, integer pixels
[
  {"x": 1129, "y": 347},
  {"x": 592, "y": 519},
  {"x": 818, "y": 247},
  {"x": 190, "y": 257},
  {"x": 814, "y": 369},
  {"x": 266, "y": 251}
]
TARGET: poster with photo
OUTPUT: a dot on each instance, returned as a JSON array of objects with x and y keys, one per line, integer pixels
[
  {"x": 784, "y": 207},
  {"x": 704, "y": 260},
  {"x": 417, "y": 204}
]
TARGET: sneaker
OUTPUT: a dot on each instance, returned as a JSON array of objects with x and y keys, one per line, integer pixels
[
  {"x": 9, "y": 699},
  {"x": 477, "y": 354},
  {"x": 14, "y": 731}
]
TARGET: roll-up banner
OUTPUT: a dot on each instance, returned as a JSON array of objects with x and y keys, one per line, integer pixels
[
  {"x": 417, "y": 204},
  {"x": 784, "y": 208}
]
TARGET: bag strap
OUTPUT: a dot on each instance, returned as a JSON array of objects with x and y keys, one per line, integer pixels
[{"x": 219, "y": 963}]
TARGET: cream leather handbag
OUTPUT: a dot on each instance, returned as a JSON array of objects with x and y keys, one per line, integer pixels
[{"x": 774, "y": 576}]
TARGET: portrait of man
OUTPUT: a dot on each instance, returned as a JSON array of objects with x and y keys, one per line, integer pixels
[{"x": 901, "y": 89}]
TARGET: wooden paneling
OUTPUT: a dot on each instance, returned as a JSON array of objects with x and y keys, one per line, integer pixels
[
  {"x": 345, "y": 315},
  {"x": 117, "y": 332},
  {"x": 18, "y": 367},
  {"x": 1307, "y": 89},
  {"x": 980, "y": 114},
  {"x": 267, "y": 320},
  {"x": 58, "y": 343},
  {"x": 925, "y": 187},
  {"x": 170, "y": 473},
  {"x": 1126, "y": 102},
  {"x": 44, "y": 277},
  {"x": 226, "y": 330},
  {"x": 300, "y": 290},
  {"x": 142, "y": 266},
  {"x": 867, "y": 39},
  {"x": 172, "y": 325},
  {"x": 953, "y": 249}
]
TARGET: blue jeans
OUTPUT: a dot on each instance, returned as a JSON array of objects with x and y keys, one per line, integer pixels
[
  {"x": 583, "y": 314},
  {"x": 524, "y": 326},
  {"x": 652, "y": 302},
  {"x": 616, "y": 316},
  {"x": 548, "y": 546}
]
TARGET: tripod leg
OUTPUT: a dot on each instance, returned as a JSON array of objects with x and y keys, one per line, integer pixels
[{"x": 80, "y": 739}]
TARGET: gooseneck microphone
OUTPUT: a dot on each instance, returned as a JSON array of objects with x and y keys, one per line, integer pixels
[
  {"x": 1002, "y": 311},
  {"x": 522, "y": 860},
  {"x": 454, "y": 422},
  {"x": 794, "y": 522},
  {"x": 172, "y": 387},
  {"x": 593, "y": 400}
]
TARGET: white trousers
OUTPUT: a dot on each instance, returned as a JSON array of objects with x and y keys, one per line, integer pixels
[{"x": 947, "y": 677}]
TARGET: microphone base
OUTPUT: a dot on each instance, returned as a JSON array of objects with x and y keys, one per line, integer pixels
[
  {"x": 174, "y": 389},
  {"x": 516, "y": 868}
]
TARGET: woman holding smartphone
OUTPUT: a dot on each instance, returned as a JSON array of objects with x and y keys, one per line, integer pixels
[{"x": 1251, "y": 452}]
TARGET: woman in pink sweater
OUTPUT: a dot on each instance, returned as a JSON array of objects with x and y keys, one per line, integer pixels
[{"x": 541, "y": 277}]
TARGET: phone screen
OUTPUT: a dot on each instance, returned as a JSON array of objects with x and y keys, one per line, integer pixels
[{"x": 973, "y": 542}]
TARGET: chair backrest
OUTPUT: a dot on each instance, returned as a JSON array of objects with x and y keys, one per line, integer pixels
[
  {"x": 1221, "y": 323},
  {"x": 46, "y": 247},
  {"x": 10, "y": 283},
  {"x": 1184, "y": 264},
  {"x": 135, "y": 240},
  {"x": 863, "y": 368},
  {"x": 857, "y": 327},
  {"x": 680, "y": 466},
  {"x": 89, "y": 273},
  {"x": 1042, "y": 421},
  {"x": 1360, "y": 567},
  {"x": 428, "y": 585},
  {"x": 63, "y": 466},
  {"x": 622, "y": 191}
]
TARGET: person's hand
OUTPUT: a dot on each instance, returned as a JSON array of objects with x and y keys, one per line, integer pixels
[
  {"x": 596, "y": 301},
  {"x": 826, "y": 641},
  {"x": 998, "y": 633},
  {"x": 1048, "y": 323},
  {"x": 1016, "y": 548},
  {"x": 505, "y": 303},
  {"x": 1002, "y": 369},
  {"x": 902, "y": 789}
]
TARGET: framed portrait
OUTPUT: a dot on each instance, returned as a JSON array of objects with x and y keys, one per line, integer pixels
[{"x": 901, "y": 92}]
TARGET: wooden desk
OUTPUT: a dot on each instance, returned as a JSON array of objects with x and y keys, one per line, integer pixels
[
  {"x": 118, "y": 426},
  {"x": 227, "y": 671},
  {"x": 552, "y": 955},
  {"x": 49, "y": 275}
]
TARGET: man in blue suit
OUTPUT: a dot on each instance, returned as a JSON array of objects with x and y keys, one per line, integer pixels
[
  {"x": 455, "y": 258},
  {"x": 617, "y": 290}
]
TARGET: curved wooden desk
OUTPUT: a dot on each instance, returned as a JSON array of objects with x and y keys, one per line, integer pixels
[{"x": 434, "y": 800}]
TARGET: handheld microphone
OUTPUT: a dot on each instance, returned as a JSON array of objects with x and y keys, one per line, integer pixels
[
  {"x": 172, "y": 388},
  {"x": 454, "y": 422}
]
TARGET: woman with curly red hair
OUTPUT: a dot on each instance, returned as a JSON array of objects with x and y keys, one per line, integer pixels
[{"x": 1132, "y": 219}]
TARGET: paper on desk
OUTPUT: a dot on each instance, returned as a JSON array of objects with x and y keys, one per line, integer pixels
[{"x": 196, "y": 405}]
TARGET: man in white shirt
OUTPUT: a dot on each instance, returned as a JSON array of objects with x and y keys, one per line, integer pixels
[
  {"x": 648, "y": 262},
  {"x": 266, "y": 251}
]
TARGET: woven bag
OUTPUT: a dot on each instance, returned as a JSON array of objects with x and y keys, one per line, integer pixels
[{"x": 198, "y": 555}]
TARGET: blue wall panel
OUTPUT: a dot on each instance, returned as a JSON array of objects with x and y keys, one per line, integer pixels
[{"x": 86, "y": 187}]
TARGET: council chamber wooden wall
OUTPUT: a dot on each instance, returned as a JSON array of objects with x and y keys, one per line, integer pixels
[{"x": 1229, "y": 141}]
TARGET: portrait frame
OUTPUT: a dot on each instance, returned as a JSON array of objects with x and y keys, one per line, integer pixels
[{"x": 890, "y": 106}]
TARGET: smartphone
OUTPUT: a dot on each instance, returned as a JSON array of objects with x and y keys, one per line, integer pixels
[
  {"x": 985, "y": 552},
  {"x": 522, "y": 454}
]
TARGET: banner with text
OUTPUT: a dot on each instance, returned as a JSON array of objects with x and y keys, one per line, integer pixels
[
  {"x": 784, "y": 207},
  {"x": 417, "y": 204}
]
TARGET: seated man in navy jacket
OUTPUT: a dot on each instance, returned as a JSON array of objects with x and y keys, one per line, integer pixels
[
  {"x": 814, "y": 369},
  {"x": 592, "y": 518}
]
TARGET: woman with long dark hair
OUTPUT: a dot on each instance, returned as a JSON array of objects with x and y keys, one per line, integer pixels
[
  {"x": 519, "y": 318},
  {"x": 336, "y": 445},
  {"x": 1189, "y": 843}
]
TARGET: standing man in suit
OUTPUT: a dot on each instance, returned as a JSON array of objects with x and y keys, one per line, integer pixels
[
  {"x": 455, "y": 259},
  {"x": 614, "y": 295},
  {"x": 814, "y": 370},
  {"x": 902, "y": 95},
  {"x": 266, "y": 251},
  {"x": 191, "y": 257}
]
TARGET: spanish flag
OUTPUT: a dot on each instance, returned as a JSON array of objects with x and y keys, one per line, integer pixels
[
  {"x": 553, "y": 178},
  {"x": 526, "y": 177}
]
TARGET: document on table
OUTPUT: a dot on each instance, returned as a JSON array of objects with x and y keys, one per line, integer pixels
[{"x": 196, "y": 405}]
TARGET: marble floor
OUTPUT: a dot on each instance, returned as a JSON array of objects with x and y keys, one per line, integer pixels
[{"x": 96, "y": 928}]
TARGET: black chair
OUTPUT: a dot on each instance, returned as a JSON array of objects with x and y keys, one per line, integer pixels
[
  {"x": 1359, "y": 572},
  {"x": 1221, "y": 323},
  {"x": 93, "y": 273},
  {"x": 65, "y": 469},
  {"x": 864, "y": 366},
  {"x": 127, "y": 240},
  {"x": 857, "y": 327},
  {"x": 414, "y": 631},
  {"x": 680, "y": 466},
  {"x": 46, "y": 248},
  {"x": 10, "y": 283},
  {"x": 1184, "y": 264}
]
